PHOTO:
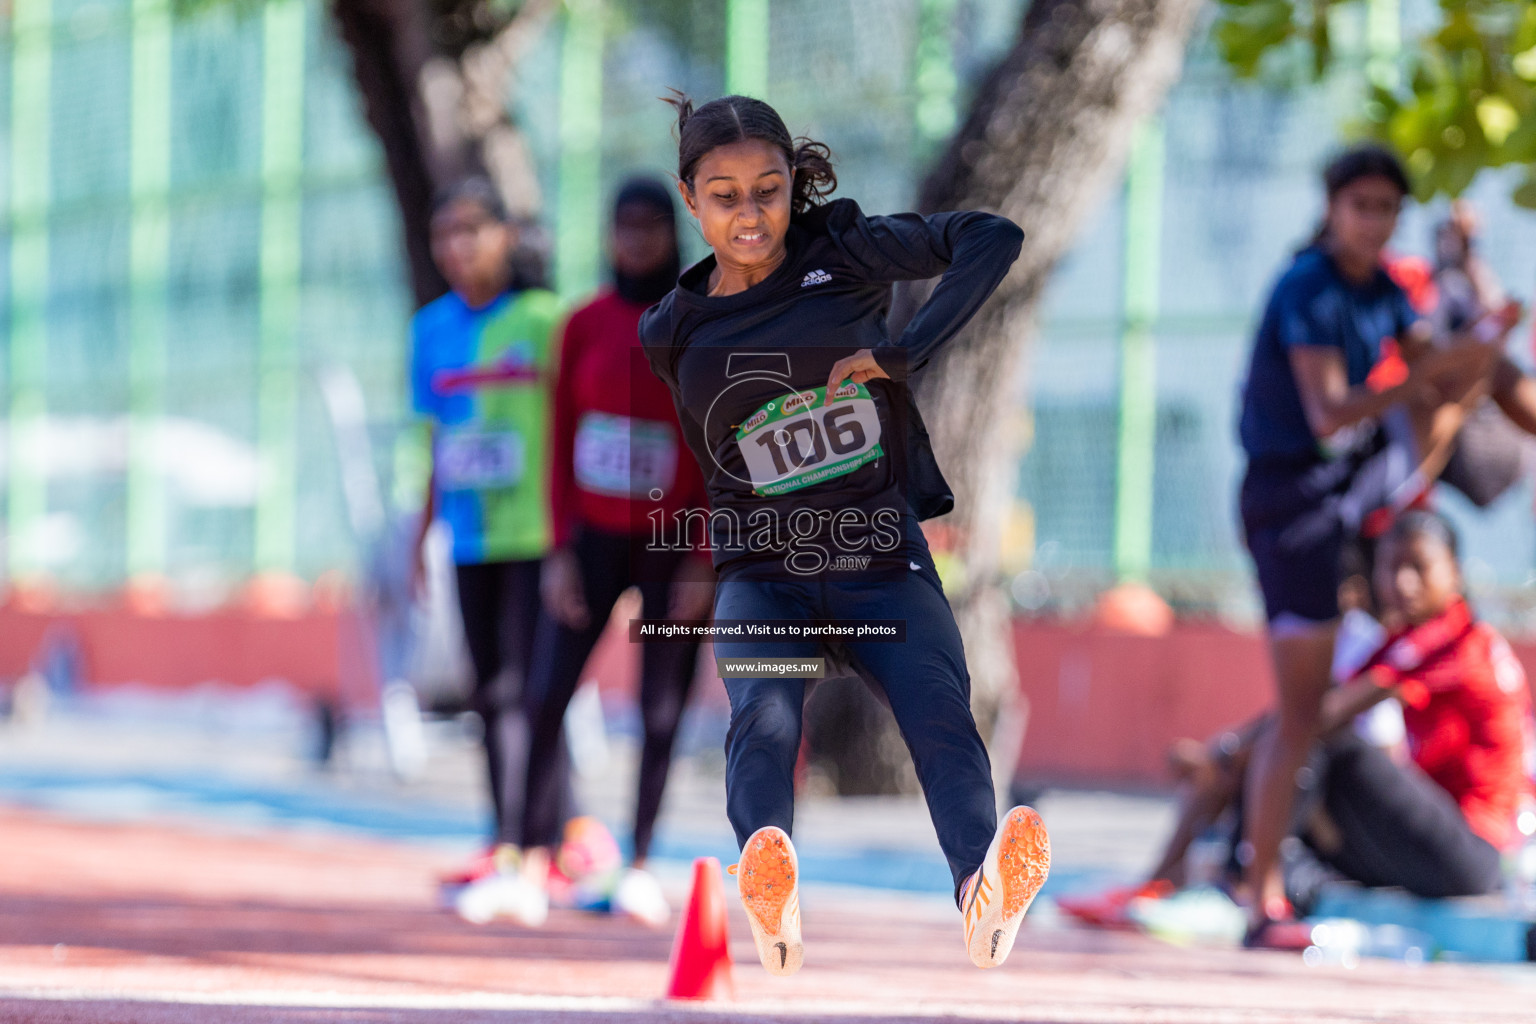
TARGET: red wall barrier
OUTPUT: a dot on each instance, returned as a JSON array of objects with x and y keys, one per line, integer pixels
[
  {"x": 1104, "y": 706},
  {"x": 328, "y": 654}
]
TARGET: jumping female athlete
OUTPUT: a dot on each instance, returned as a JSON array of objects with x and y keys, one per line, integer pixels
[{"x": 788, "y": 389}]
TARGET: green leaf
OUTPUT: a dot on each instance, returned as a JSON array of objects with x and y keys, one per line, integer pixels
[
  {"x": 1524, "y": 37},
  {"x": 1497, "y": 118},
  {"x": 1524, "y": 64},
  {"x": 1247, "y": 31},
  {"x": 1465, "y": 101}
]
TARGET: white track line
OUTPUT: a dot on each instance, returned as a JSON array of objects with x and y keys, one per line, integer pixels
[{"x": 757, "y": 1008}]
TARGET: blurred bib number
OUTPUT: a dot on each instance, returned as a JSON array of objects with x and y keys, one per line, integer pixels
[
  {"x": 474, "y": 458},
  {"x": 624, "y": 457},
  {"x": 797, "y": 441}
]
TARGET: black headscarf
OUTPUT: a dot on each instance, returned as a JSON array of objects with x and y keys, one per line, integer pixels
[{"x": 648, "y": 288}]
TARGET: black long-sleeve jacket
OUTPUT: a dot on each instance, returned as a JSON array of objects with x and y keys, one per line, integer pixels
[{"x": 748, "y": 374}]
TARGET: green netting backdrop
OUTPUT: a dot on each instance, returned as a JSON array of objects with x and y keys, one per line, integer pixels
[{"x": 1238, "y": 195}]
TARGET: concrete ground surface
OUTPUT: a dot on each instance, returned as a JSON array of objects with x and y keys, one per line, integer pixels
[{"x": 181, "y": 862}]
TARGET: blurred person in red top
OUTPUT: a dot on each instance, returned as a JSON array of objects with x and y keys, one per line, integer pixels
[
  {"x": 616, "y": 438},
  {"x": 1438, "y": 825},
  {"x": 618, "y": 466}
]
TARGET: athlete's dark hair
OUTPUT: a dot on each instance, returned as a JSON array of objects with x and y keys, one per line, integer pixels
[
  {"x": 1422, "y": 523},
  {"x": 1367, "y": 160},
  {"x": 478, "y": 190},
  {"x": 732, "y": 119},
  {"x": 1364, "y": 161}
]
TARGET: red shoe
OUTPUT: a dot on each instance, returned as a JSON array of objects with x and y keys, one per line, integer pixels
[
  {"x": 1109, "y": 909},
  {"x": 560, "y": 886},
  {"x": 479, "y": 867},
  {"x": 1288, "y": 936},
  {"x": 1280, "y": 930}
]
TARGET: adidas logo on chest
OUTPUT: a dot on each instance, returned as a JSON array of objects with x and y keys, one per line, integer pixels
[{"x": 815, "y": 277}]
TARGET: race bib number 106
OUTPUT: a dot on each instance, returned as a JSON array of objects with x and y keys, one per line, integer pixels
[{"x": 797, "y": 440}]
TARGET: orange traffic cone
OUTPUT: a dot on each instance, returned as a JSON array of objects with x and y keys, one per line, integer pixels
[{"x": 701, "y": 957}]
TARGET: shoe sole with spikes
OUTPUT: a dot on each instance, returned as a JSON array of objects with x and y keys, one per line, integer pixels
[
  {"x": 768, "y": 876},
  {"x": 1017, "y": 864}
]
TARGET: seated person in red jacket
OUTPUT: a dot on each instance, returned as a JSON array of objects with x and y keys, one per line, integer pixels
[
  {"x": 1210, "y": 774},
  {"x": 1435, "y": 826}
]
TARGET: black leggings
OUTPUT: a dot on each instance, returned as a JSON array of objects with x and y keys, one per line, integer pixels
[
  {"x": 1396, "y": 826},
  {"x": 499, "y": 602},
  {"x": 609, "y": 564},
  {"x": 924, "y": 679}
]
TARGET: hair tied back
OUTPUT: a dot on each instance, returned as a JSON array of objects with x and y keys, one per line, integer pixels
[
  {"x": 815, "y": 179},
  {"x": 679, "y": 101}
]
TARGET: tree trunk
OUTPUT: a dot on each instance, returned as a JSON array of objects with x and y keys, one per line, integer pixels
[
  {"x": 439, "y": 116},
  {"x": 388, "y": 40},
  {"x": 1048, "y": 132}
]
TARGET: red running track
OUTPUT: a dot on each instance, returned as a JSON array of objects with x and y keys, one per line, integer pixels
[{"x": 162, "y": 924}]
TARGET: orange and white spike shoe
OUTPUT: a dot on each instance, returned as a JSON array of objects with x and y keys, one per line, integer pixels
[
  {"x": 997, "y": 895},
  {"x": 768, "y": 876}
]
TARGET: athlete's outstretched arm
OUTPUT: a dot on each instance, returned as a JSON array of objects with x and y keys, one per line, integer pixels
[{"x": 972, "y": 250}]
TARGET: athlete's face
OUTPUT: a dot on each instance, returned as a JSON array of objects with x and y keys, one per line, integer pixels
[
  {"x": 471, "y": 247},
  {"x": 1362, "y": 216},
  {"x": 740, "y": 195},
  {"x": 1418, "y": 576}
]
